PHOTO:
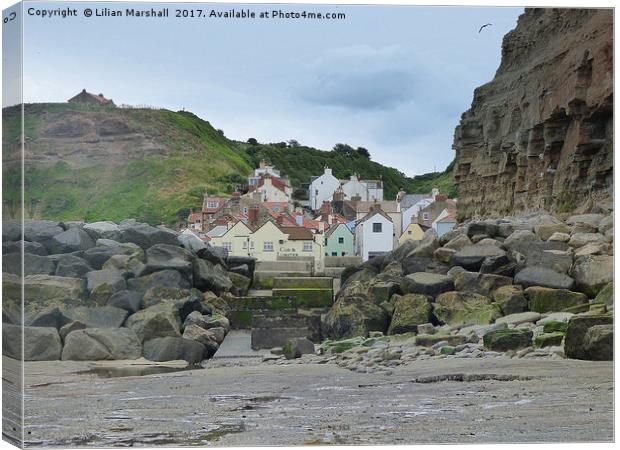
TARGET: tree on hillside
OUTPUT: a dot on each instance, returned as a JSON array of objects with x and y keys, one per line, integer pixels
[
  {"x": 252, "y": 141},
  {"x": 361, "y": 151},
  {"x": 343, "y": 149},
  {"x": 293, "y": 143}
]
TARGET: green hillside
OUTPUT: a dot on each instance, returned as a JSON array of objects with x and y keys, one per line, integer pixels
[{"x": 153, "y": 164}]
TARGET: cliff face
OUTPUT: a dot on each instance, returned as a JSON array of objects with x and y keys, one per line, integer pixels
[{"x": 540, "y": 134}]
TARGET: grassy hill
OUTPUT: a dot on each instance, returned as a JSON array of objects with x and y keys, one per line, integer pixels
[{"x": 98, "y": 163}]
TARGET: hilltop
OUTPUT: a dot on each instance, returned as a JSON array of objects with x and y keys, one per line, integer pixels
[{"x": 96, "y": 162}]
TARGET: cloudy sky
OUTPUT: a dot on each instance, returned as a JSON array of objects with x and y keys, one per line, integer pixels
[{"x": 392, "y": 79}]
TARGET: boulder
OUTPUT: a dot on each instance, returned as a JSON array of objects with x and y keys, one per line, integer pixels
[
  {"x": 102, "y": 230},
  {"x": 507, "y": 339},
  {"x": 465, "y": 308},
  {"x": 217, "y": 255},
  {"x": 29, "y": 247},
  {"x": 427, "y": 283},
  {"x": 128, "y": 300},
  {"x": 97, "y": 317},
  {"x": 128, "y": 266},
  {"x": 542, "y": 299},
  {"x": 41, "y": 231},
  {"x": 480, "y": 283},
  {"x": 165, "y": 278},
  {"x": 174, "y": 348},
  {"x": 295, "y": 348},
  {"x": 33, "y": 264},
  {"x": 555, "y": 326},
  {"x": 147, "y": 236},
  {"x": 590, "y": 219},
  {"x": 606, "y": 223},
  {"x": 578, "y": 326},
  {"x": 53, "y": 316},
  {"x": 499, "y": 265},
  {"x": 510, "y": 299},
  {"x": 472, "y": 256},
  {"x": 11, "y": 230},
  {"x": 383, "y": 291},
  {"x": 606, "y": 295},
  {"x": 216, "y": 321},
  {"x": 354, "y": 315},
  {"x": 41, "y": 291},
  {"x": 209, "y": 277},
  {"x": 444, "y": 254},
  {"x": 559, "y": 237},
  {"x": 72, "y": 240},
  {"x": 72, "y": 266},
  {"x": 39, "y": 343},
  {"x": 598, "y": 343},
  {"x": 592, "y": 273},
  {"x": 240, "y": 283},
  {"x": 156, "y": 321},
  {"x": 191, "y": 242},
  {"x": 68, "y": 328},
  {"x": 205, "y": 337},
  {"x": 593, "y": 249},
  {"x": 94, "y": 344},
  {"x": 458, "y": 243},
  {"x": 195, "y": 318},
  {"x": 549, "y": 339},
  {"x": 410, "y": 310},
  {"x": 543, "y": 276},
  {"x": 545, "y": 230},
  {"x": 488, "y": 228},
  {"x": 235, "y": 261},
  {"x": 101, "y": 284},
  {"x": 98, "y": 255},
  {"x": 218, "y": 333},
  {"x": 520, "y": 237},
  {"x": 169, "y": 257},
  {"x": 519, "y": 318},
  {"x": 580, "y": 239}
]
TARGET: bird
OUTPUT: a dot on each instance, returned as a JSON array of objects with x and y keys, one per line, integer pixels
[{"x": 485, "y": 25}]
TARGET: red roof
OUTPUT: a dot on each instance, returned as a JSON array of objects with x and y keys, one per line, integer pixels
[
  {"x": 194, "y": 218},
  {"x": 275, "y": 181},
  {"x": 217, "y": 200},
  {"x": 297, "y": 233}
]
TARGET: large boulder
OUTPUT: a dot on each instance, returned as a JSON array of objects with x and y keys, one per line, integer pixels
[
  {"x": 354, "y": 315},
  {"x": 592, "y": 273},
  {"x": 97, "y": 317},
  {"x": 410, "y": 310},
  {"x": 209, "y": 277},
  {"x": 543, "y": 276},
  {"x": 169, "y": 257},
  {"x": 578, "y": 326},
  {"x": 101, "y": 284},
  {"x": 593, "y": 220},
  {"x": 72, "y": 266},
  {"x": 128, "y": 266},
  {"x": 41, "y": 231},
  {"x": 174, "y": 348},
  {"x": 42, "y": 291},
  {"x": 39, "y": 343},
  {"x": 203, "y": 336},
  {"x": 11, "y": 230},
  {"x": 580, "y": 239},
  {"x": 297, "y": 347},
  {"x": 520, "y": 237},
  {"x": 545, "y": 230},
  {"x": 185, "y": 301},
  {"x": 33, "y": 264},
  {"x": 165, "y": 278},
  {"x": 146, "y": 236},
  {"x": 480, "y": 283},
  {"x": 427, "y": 283},
  {"x": 28, "y": 247},
  {"x": 103, "y": 230},
  {"x": 191, "y": 242},
  {"x": 458, "y": 243},
  {"x": 215, "y": 255},
  {"x": 240, "y": 284},
  {"x": 510, "y": 299},
  {"x": 519, "y": 318},
  {"x": 383, "y": 291},
  {"x": 156, "y": 321},
  {"x": 72, "y": 240},
  {"x": 104, "y": 250},
  {"x": 472, "y": 256},
  {"x": 598, "y": 343},
  {"x": 507, "y": 339},
  {"x": 499, "y": 265},
  {"x": 128, "y": 300},
  {"x": 465, "y": 308},
  {"x": 93, "y": 344},
  {"x": 606, "y": 295},
  {"x": 542, "y": 299}
]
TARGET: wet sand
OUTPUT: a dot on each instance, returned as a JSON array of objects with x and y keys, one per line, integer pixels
[{"x": 431, "y": 401}]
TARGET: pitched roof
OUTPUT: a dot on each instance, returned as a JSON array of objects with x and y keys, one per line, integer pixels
[
  {"x": 220, "y": 201},
  {"x": 449, "y": 218},
  {"x": 373, "y": 213},
  {"x": 275, "y": 181},
  {"x": 298, "y": 233},
  {"x": 411, "y": 199},
  {"x": 333, "y": 228},
  {"x": 387, "y": 206},
  {"x": 194, "y": 218}
]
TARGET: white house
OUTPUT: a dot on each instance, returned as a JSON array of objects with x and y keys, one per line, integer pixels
[
  {"x": 263, "y": 169},
  {"x": 366, "y": 190},
  {"x": 322, "y": 189},
  {"x": 374, "y": 234},
  {"x": 412, "y": 211}
]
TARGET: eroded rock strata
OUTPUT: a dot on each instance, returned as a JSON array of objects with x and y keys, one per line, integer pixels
[{"x": 540, "y": 134}]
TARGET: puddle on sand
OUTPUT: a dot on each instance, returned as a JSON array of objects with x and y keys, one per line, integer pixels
[{"x": 133, "y": 371}]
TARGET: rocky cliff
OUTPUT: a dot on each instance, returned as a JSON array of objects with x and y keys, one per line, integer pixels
[{"x": 540, "y": 134}]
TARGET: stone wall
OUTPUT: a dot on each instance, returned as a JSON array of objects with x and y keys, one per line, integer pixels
[{"x": 540, "y": 134}]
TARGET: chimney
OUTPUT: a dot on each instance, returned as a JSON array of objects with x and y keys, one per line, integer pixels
[
  {"x": 441, "y": 198},
  {"x": 434, "y": 193},
  {"x": 280, "y": 219},
  {"x": 328, "y": 171},
  {"x": 253, "y": 215},
  {"x": 325, "y": 210}
]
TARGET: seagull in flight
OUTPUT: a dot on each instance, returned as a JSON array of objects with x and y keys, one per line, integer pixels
[{"x": 485, "y": 25}]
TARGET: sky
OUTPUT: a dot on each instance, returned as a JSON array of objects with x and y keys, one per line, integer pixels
[{"x": 392, "y": 79}]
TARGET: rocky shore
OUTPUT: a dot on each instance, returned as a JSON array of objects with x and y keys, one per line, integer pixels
[{"x": 106, "y": 291}]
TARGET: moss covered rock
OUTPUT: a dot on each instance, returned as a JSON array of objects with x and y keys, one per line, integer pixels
[
  {"x": 354, "y": 316},
  {"x": 578, "y": 326},
  {"x": 554, "y": 326},
  {"x": 507, "y": 339},
  {"x": 548, "y": 339},
  {"x": 410, "y": 311},
  {"x": 456, "y": 308},
  {"x": 543, "y": 299},
  {"x": 510, "y": 299}
]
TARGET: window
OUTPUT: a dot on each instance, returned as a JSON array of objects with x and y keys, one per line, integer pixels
[
  {"x": 276, "y": 208},
  {"x": 341, "y": 240},
  {"x": 408, "y": 232},
  {"x": 316, "y": 192},
  {"x": 245, "y": 210},
  {"x": 334, "y": 253},
  {"x": 227, "y": 245},
  {"x": 344, "y": 253},
  {"x": 245, "y": 245},
  {"x": 425, "y": 216},
  {"x": 267, "y": 246},
  {"x": 307, "y": 246},
  {"x": 211, "y": 204},
  {"x": 251, "y": 245},
  {"x": 253, "y": 181},
  {"x": 376, "y": 227}
]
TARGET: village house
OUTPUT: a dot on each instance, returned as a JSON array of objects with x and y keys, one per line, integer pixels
[
  {"x": 210, "y": 206},
  {"x": 413, "y": 232},
  {"x": 339, "y": 241},
  {"x": 444, "y": 222},
  {"x": 270, "y": 189},
  {"x": 374, "y": 234},
  {"x": 366, "y": 190},
  {"x": 412, "y": 203},
  {"x": 322, "y": 189},
  {"x": 356, "y": 210},
  {"x": 428, "y": 214},
  {"x": 87, "y": 97}
]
